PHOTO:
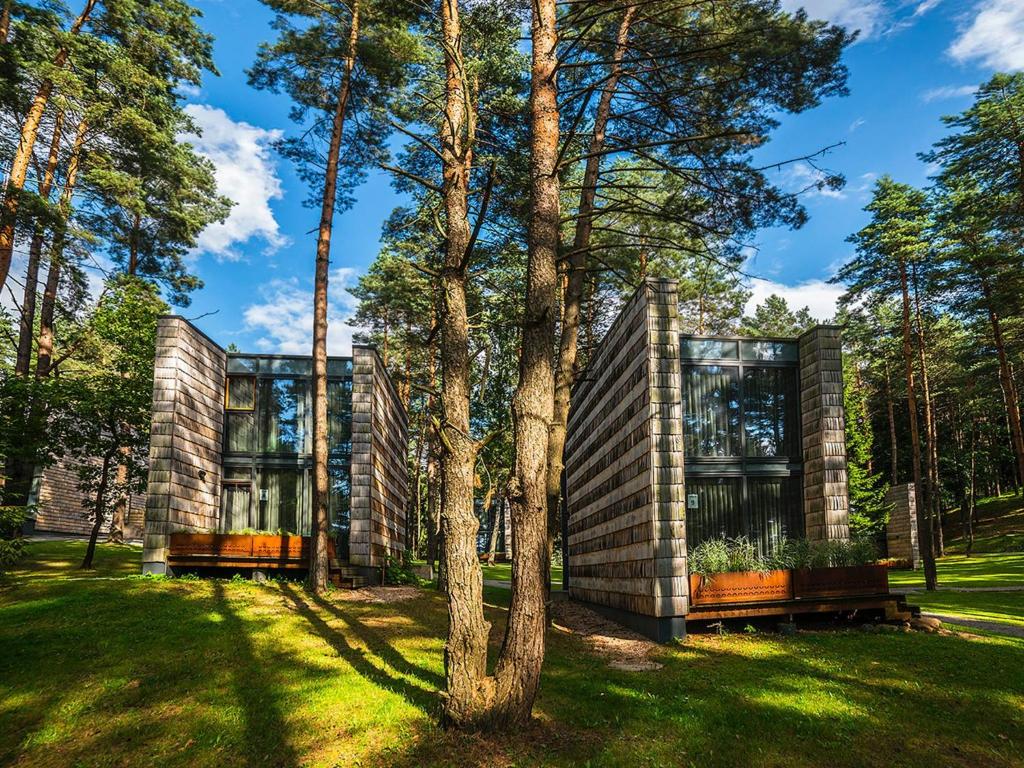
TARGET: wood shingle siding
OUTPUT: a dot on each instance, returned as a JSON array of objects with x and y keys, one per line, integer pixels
[
  {"x": 380, "y": 480},
  {"x": 624, "y": 472},
  {"x": 826, "y": 498},
  {"x": 901, "y": 531},
  {"x": 186, "y": 439}
]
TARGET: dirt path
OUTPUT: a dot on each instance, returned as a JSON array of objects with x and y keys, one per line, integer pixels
[{"x": 995, "y": 627}]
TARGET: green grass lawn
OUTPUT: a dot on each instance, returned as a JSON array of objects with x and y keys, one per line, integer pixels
[
  {"x": 503, "y": 572},
  {"x": 1000, "y": 526},
  {"x": 1003, "y": 607},
  {"x": 105, "y": 670},
  {"x": 987, "y": 570}
]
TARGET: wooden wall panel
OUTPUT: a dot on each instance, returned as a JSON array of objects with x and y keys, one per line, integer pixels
[
  {"x": 380, "y": 479},
  {"x": 186, "y": 438},
  {"x": 901, "y": 531},
  {"x": 623, "y": 463}
]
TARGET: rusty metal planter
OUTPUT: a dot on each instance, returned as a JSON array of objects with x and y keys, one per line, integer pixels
[
  {"x": 849, "y": 581},
  {"x": 741, "y": 587},
  {"x": 242, "y": 550}
]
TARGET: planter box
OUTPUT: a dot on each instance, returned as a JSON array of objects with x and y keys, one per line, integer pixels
[
  {"x": 850, "y": 581},
  {"x": 258, "y": 549},
  {"x": 741, "y": 587}
]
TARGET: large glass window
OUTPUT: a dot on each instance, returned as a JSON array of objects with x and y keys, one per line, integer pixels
[
  {"x": 284, "y": 415},
  {"x": 711, "y": 411},
  {"x": 741, "y": 433},
  {"x": 770, "y": 412},
  {"x": 268, "y": 445}
]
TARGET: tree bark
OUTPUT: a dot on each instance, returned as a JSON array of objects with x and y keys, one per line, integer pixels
[
  {"x": 517, "y": 673},
  {"x": 26, "y": 329},
  {"x": 891, "y": 413},
  {"x": 44, "y": 351},
  {"x": 924, "y": 521},
  {"x": 318, "y": 559},
  {"x": 568, "y": 346},
  {"x": 496, "y": 520},
  {"x": 101, "y": 494},
  {"x": 23, "y": 154},
  {"x": 1006, "y": 380}
]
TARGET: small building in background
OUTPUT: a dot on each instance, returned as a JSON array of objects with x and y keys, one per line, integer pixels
[
  {"x": 674, "y": 439},
  {"x": 901, "y": 530},
  {"x": 231, "y": 453}
]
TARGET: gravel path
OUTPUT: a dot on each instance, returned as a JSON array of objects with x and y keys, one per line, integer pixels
[{"x": 996, "y": 627}]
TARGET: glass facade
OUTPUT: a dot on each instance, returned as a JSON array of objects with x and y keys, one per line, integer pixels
[
  {"x": 268, "y": 460},
  {"x": 741, "y": 435}
]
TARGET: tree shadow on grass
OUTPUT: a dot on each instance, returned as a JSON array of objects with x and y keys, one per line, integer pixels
[
  {"x": 363, "y": 661},
  {"x": 265, "y": 727}
]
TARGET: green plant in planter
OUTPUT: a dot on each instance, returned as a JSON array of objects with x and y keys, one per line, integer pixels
[{"x": 724, "y": 555}]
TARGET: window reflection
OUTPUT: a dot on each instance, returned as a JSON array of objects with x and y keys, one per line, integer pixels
[
  {"x": 284, "y": 412},
  {"x": 711, "y": 417},
  {"x": 769, "y": 412}
]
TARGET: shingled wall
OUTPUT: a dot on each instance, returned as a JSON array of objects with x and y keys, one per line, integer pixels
[
  {"x": 624, "y": 469},
  {"x": 826, "y": 499},
  {"x": 901, "y": 531},
  {"x": 186, "y": 440},
  {"x": 380, "y": 478},
  {"x": 60, "y": 509}
]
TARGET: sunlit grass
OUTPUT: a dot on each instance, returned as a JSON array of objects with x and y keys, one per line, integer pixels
[
  {"x": 986, "y": 570},
  {"x": 110, "y": 671}
]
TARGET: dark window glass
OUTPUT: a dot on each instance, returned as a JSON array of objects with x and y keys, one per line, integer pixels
[
  {"x": 339, "y": 419},
  {"x": 776, "y": 510},
  {"x": 241, "y": 394},
  {"x": 241, "y": 432},
  {"x": 339, "y": 366},
  {"x": 236, "y": 507},
  {"x": 770, "y": 412},
  {"x": 770, "y": 350},
  {"x": 340, "y": 500},
  {"x": 709, "y": 349},
  {"x": 280, "y": 502},
  {"x": 301, "y": 366},
  {"x": 713, "y": 509},
  {"x": 284, "y": 416},
  {"x": 237, "y": 473},
  {"x": 711, "y": 413},
  {"x": 243, "y": 364}
]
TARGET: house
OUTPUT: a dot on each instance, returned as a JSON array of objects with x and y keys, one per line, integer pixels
[
  {"x": 231, "y": 468},
  {"x": 674, "y": 439}
]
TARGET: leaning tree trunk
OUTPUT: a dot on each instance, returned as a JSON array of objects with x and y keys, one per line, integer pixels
[
  {"x": 26, "y": 328},
  {"x": 565, "y": 373},
  {"x": 100, "y": 505},
  {"x": 44, "y": 351},
  {"x": 517, "y": 673},
  {"x": 26, "y": 143},
  {"x": 924, "y": 521},
  {"x": 318, "y": 559}
]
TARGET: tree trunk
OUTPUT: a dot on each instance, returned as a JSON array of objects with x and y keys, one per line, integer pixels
[
  {"x": 319, "y": 566},
  {"x": 891, "y": 413},
  {"x": 566, "y": 371},
  {"x": 467, "y": 688},
  {"x": 933, "y": 502},
  {"x": 23, "y": 154},
  {"x": 517, "y": 673},
  {"x": 26, "y": 329},
  {"x": 1006, "y": 381},
  {"x": 44, "y": 352},
  {"x": 924, "y": 521},
  {"x": 496, "y": 521},
  {"x": 5, "y": 21},
  {"x": 967, "y": 509},
  {"x": 433, "y": 509},
  {"x": 101, "y": 494}
]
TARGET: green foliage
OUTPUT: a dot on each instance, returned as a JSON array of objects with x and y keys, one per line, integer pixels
[
  {"x": 400, "y": 571},
  {"x": 12, "y": 545},
  {"x": 723, "y": 555},
  {"x": 868, "y": 511},
  {"x": 773, "y": 317}
]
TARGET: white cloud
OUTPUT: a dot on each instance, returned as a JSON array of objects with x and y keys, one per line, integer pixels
[
  {"x": 856, "y": 124},
  {"x": 284, "y": 319},
  {"x": 947, "y": 92},
  {"x": 805, "y": 179},
  {"x": 995, "y": 36},
  {"x": 817, "y": 295},
  {"x": 868, "y": 16},
  {"x": 247, "y": 173}
]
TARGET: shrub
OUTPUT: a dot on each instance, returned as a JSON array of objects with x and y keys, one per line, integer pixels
[
  {"x": 12, "y": 545},
  {"x": 724, "y": 555},
  {"x": 400, "y": 572}
]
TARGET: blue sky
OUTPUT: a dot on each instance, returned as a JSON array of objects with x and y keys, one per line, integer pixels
[{"x": 915, "y": 61}]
